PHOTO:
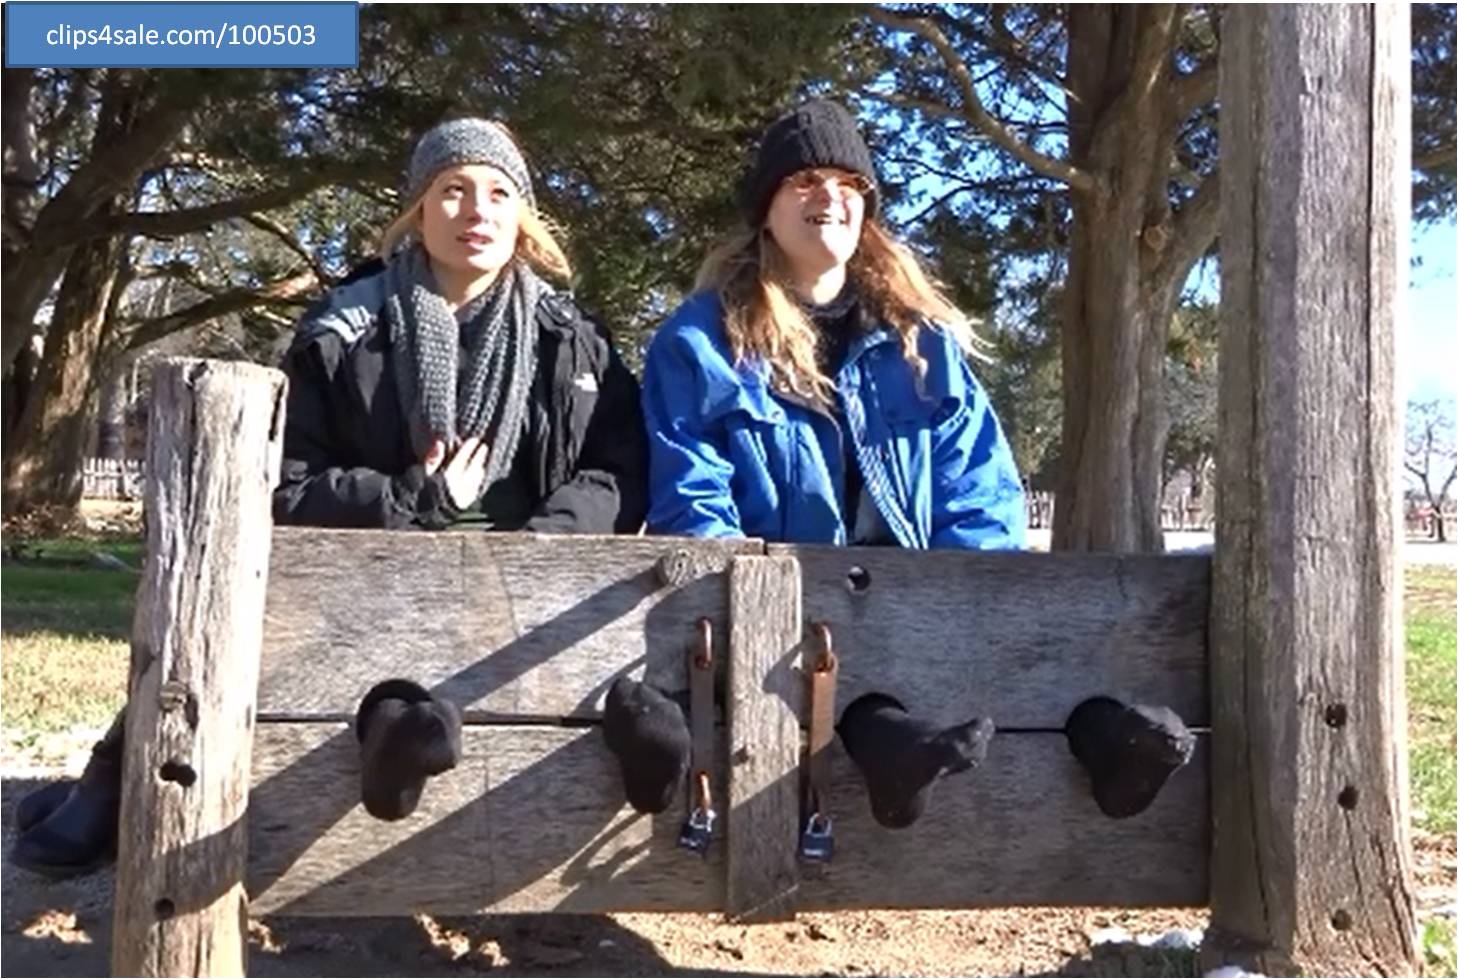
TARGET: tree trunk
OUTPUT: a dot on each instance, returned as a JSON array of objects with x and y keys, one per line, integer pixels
[
  {"x": 22, "y": 197},
  {"x": 111, "y": 422},
  {"x": 1119, "y": 297},
  {"x": 141, "y": 113},
  {"x": 43, "y": 460},
  {"x": 19, "y": 382}
]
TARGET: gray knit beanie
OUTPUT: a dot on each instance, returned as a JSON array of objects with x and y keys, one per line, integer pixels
[{"x": 463, "y": 141}]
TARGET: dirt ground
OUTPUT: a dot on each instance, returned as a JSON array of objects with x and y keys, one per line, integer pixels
[{"x": 63, "y": 929}]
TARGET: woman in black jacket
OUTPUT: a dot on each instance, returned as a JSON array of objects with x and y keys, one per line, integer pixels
[
  {"x": 450, "y": 382},
  {"x": 447, "y": 384}
]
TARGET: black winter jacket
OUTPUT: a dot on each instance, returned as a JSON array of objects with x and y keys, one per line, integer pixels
[{"x": 581, "y": 465}]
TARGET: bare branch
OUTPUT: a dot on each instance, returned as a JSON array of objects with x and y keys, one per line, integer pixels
[
  {"x": 290, "y": 290},
  {"x": 164, "y": 224},
  {"x": 1014, "y": 49},
  {"x": 973, "y": 110},
  {"x": 935, "y": 205},
  {"x": 927, "y": 106},
  {"x": 1442, "y": 157},
  {"x": 283, "y": 234}
]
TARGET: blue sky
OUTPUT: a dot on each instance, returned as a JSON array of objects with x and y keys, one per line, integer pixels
[{"x": 1428, "y": 343}]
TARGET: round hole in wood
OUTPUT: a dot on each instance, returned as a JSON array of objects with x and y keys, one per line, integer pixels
[
  {"x": 164, "y": 908},
  {"x": 1347, "y": 798},
  {"x": 182, "y": 774},
  {"x": 1336, "y": 715},
  {"x": 858, "y": 578},
  {"x": 1341, "y": 920}
]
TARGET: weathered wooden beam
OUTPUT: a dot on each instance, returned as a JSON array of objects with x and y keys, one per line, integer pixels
[
  {"x": 534, "y": 820},
  {"x": 513, "y": 625},
  {"x": 506, "y": 625},
  {"x": 213, "y": 450},
  {"x": 766, "y": 691},
  {"x": 1311, "y": 863},
  {"x": 1022, "y": 829},
  {"x": 1020, "y": 638}
]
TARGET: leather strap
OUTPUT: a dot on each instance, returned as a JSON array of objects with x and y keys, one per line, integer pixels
[
  {"x": 701, "y": 714},
  {"x": 823, "y": 673}
]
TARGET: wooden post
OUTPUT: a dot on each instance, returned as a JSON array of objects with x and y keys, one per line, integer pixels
[
  {"x": 213, "y": 451},
  {"x": 764, "y": 737},
  {"x": 1311, "y": 866}
]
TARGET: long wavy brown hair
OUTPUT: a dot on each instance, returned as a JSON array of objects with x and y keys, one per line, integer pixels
[{"x": 763, "y": 321}]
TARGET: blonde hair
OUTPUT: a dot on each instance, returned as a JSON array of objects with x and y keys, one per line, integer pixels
[
  {"x": 763, "y": 320},
  {"x": 536, "y": 237}
]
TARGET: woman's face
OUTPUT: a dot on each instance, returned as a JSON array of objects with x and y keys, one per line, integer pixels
[
  {"x": 815, "y": 218},
  {"x": 469, "y": 220}
]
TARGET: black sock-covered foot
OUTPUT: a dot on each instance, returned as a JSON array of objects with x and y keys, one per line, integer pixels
[
  {"x": 901, "y": 757},
  {"x": 649, "y": 734},
  {"x": 405, "y": 736},
  {"x": 1128, "y": 752}
]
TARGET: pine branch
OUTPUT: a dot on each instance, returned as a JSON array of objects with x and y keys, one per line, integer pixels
[{"x": 973, "y": 110}]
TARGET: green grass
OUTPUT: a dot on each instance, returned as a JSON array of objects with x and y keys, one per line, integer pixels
[
  {"x": 1439, "y": 955},
  {"x": 65, "y": 636},
  {"x": 53, "y": 682},
  {"x": 128, "y": 549},
  {"x": 1432, "y": 672}
]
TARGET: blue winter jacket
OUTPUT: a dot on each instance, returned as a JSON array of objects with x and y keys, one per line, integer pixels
[{"x": 728, "y": 457}]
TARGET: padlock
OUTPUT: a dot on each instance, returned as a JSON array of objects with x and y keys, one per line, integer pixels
[
  {"x": 818, "y": 840},
  {"x": 697, "y": 831}
]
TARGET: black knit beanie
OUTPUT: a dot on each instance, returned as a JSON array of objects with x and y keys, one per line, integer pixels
[{"x": 817, "y": 134}]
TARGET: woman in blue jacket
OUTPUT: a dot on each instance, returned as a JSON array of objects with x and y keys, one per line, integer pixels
[{"x": 815, "y": 388}]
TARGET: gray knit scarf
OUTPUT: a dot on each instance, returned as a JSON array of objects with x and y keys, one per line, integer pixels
[{"x": 468, "y": 376}]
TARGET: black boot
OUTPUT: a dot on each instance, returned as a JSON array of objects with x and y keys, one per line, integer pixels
[
  {"x": 405, "y": 736},
  {"x": 1128, "y": 752},
  {"x": 650, "y": 736},
  {"x": 900, "y": 757},
  {"x": 78, "y": 834},
  {"x": 39, "y": 804}
]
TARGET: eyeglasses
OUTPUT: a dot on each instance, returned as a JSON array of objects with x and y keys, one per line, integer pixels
[{"x": 807, "y": 182}]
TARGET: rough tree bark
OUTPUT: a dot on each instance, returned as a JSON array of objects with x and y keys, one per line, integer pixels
[{"x": 43, "y": 458}]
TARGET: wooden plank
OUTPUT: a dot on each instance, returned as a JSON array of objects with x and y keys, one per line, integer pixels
[
  {"x": 503, "y": 624},
  {"x": 1021, "y": 638},
  {"x": 533, "y": 819},
  {"x": 314, "y": 850},
  {"x": 563, "y": 840},
  {"x": 764, "y": 737},
  {"x": 1022, "y": 829},
  {"x": 1311, "y": 862},
  {"x": 213, "y": 448}
]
